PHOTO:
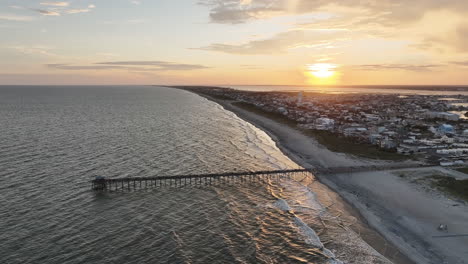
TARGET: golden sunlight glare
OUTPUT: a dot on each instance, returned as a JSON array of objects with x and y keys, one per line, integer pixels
[{"x": 322, "y": 70}]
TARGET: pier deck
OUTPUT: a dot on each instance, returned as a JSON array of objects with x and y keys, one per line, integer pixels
[
  {"x": 131, "y": 183},
  {"x": 101, "y": 183}
]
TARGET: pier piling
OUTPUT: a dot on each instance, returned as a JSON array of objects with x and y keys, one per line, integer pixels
[
  {"x": 103, "y": 184},
  {"x": 100, "y": 183}
]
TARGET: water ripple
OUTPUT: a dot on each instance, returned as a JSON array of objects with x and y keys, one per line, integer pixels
[{"x": 55, "y": 139}]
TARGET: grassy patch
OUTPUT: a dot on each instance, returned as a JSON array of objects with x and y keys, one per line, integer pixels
[
  {"x": 345, "y": 145},
  {"x": 219, "y": 96},
  {"x": 329, "y": 140},
  {"x": 458, "y": 188},
  {"x": 271, "y": 115}
]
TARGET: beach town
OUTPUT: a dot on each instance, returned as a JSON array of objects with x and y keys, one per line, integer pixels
[
  {"x": 429, "y": 128},
  {"x": 421, "y": 207},
  {"x": 234, "y": 131}
]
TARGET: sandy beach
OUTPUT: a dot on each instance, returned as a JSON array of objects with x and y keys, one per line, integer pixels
[
  {"x": 408, "y": 213},
  {"x": 399, "y": 219}
]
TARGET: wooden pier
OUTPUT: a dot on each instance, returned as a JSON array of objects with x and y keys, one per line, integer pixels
[{"x": 102, "y": 184}]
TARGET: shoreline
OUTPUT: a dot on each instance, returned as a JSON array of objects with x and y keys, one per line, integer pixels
[
  {"x": 397, "y": 219},
  {"x": 395, "y": 216},
  {"x": 323, "y": 158}
]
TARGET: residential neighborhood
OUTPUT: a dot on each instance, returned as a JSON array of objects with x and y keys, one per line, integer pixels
[{"x": 431, "y": 128}]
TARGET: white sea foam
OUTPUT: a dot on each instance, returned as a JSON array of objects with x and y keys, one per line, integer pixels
[
  {"x": 282, "y": 205},
  {"x": 308, "y": 234}
]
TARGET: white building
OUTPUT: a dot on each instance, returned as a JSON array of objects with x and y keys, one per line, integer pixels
[
  {"x": 300, "y": 97},
  {"x": 443, "y": 115},
  {"x": 458, "y": 151}
]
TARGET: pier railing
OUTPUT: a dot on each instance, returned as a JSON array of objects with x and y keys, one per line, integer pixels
[{"x": 102, "y": 184}]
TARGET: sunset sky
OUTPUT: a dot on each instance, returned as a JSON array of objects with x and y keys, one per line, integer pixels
[{"x": 223, "y": 42}]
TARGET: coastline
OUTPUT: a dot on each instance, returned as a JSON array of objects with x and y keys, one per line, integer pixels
[
  {"x": 400, "y": 231},
  {"x": 322, "y": 158}
]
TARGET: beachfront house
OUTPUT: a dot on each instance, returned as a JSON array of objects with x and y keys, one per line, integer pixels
[
  {"x": 446, "y": 129},
  {"x": 443, "y": 115}
]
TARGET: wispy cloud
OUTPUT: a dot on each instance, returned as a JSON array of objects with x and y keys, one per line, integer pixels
[
  {"x": 61, "y": 66},
  {"x": 143, "y": 66},
  {"x": 455, "y": 40},
  {"x": 460, "y": 63},
  {"x": 60, "y": 8},
  {"x": 240, "y": 11},
  {"x": 76, "y": 11},
  {"x": 282, "y": 42},
  {"x": 236, "y": 11},
  {"x": 382, "y": 19},
  {"x": 13, "y": 17},
  {"x": 405, "y": 67},
  {"x": 159, "y": 65},
  {"x": 34, "y": 50},
  {"x": 47, "y": 12},
  {"x": 62, "y": 4}
]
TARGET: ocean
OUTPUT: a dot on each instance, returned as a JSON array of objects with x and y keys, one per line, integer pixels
[{"x": 54, "y": 140}]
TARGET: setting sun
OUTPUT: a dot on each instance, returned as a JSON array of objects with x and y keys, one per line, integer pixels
[
  {"x": 322, "y": 70},
  {"x": 322, "y": 74}
]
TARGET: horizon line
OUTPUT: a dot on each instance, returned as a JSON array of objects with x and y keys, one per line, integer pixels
[{"x": 290, "y": 85}]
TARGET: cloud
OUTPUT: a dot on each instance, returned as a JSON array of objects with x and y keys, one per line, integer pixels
[
  {"x": 460, "y": 63},
  {"x": 61, "y": 4},
  {"x": 34, "y": 50},
  {"x": 135, "y": 2},
  {"x": 405, "y": 67},
  {"x": 160, "y": 65},
  {"x": 81, "y": 67},
  {"x": 139, "y": 66},
  {"x": 47, "y": 12},
  {"x": 12, "y": 17},
  {"x": 452, "y": 40},
  {"x": 239, "y": 11},
  {"x": 77, "y": 11},
  {"x": 236, "y": 11},
  {"x": 59, "y": 8},
  {"x": 430, "y": 25},
  {"x": 282, "y": 42}
]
